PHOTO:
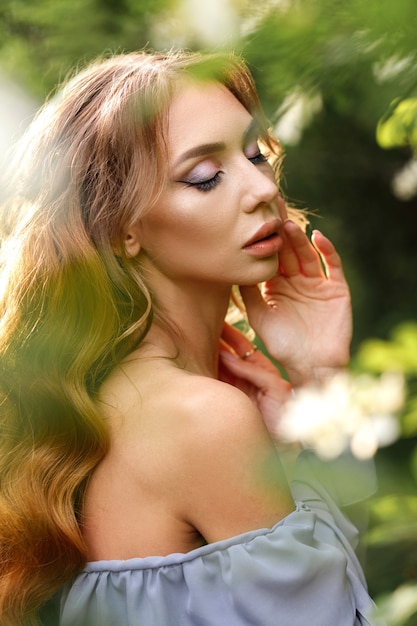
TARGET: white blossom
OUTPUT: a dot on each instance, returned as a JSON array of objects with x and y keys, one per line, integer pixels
[{"x": 356, "y": 412}]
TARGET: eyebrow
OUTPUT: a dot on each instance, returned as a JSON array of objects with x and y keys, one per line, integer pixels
[
  {"x": 207, "y": 148},
  {"x": 218, "y": 146}
]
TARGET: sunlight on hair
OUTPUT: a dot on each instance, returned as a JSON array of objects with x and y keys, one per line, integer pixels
[{"x": 357, "y": 413}]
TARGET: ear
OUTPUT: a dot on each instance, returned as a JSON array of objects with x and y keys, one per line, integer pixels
[{"x": 132, "y": 242}]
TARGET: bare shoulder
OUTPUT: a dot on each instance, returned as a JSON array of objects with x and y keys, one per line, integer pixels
[
  {"x": 181, "y": 409},
  {"x": 170, "y": 397},
  {"x": 217, "y": 417},
  {"x": 228, "y": 463},
  {"x": 199, "y": 448},
  {"x": 227, "y": 408},
  {"x": 209, "y": 415}
]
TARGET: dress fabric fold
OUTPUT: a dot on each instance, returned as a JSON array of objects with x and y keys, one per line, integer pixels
[{"x": 302, "y": 571}]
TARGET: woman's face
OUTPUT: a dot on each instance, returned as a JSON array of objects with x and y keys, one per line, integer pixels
[{"x": 217, "y": 218}]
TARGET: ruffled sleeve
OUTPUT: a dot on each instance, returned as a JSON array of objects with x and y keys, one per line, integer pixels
[{"x": 302, "y": 571}]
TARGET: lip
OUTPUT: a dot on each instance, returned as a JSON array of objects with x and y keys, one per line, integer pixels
[{"x": 266, "y": 230}]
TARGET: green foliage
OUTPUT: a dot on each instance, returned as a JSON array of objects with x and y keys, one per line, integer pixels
[
  {"x": 399, "y": 352},
  {"x": 409, "y": 419},
  {"x": 392, "y": 538},
  {"x": 398, "y": 608},
  {"x": 42, "y": 40},
  {"x": 394, "y": 519},
  {"x": 324, "y": 43},
  {"x": 400, "y": 127}
]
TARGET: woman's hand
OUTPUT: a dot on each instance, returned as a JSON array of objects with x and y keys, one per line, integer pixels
[
  {"x": 254, "y": 374},
  {"x": 303, "y": 315}
]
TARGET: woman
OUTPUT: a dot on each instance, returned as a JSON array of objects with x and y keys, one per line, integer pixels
[{"x": 140, "y": 479}]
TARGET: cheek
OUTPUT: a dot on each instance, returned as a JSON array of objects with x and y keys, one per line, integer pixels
[
  {"x": 181, "y": 229},
  {"x": 197, "y": 220}
]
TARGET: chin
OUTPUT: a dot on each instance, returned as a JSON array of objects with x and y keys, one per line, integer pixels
[{"x": 268, "y": 271}]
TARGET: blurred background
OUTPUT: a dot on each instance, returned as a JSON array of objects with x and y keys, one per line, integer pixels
[{"x": 338, "y": 79}]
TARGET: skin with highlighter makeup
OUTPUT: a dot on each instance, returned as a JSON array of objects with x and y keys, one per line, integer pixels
[
  {"x": 218, "y": 222},
  {"x": 145, "y": 193}
]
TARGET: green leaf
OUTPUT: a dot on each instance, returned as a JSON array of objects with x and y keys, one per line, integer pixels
[
  {"x": 399, "y": 353},
  {"x": 395, "y": 519},
  {"x": 409, "y": 419},
  {"x": 400, "y": 128}
]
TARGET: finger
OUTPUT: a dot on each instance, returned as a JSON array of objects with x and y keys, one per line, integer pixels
[
  {"x": 254, "y": 304},
  {"x": 331, "y": 259},
  {"x": 235, "y": 342},
  {"x": 235, "y": 339},
  {"x": 251, "y": 371},
  {"x": 282, "y": 208},
  {"x": 301, "y": 255},
  {"x": 288, "y": 260},
  {"x": 225, "y": 375}
]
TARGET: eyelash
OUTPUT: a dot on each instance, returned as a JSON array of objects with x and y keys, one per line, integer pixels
[
  {"x": 258, "y": 158},
  {"x": 207, "y": 185},
  {"x": 211, "y": 183}
]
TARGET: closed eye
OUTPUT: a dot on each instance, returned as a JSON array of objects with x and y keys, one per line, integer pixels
[
  {"x": 210, "y": 183},
  {"x": 205, "y": 185},
  {"x": 258, "y": 158}
]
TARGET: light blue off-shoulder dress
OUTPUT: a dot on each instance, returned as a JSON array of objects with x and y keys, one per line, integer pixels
[{"x": 301, "y": 572}]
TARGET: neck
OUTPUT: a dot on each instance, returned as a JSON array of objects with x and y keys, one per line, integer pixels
[{"x": 188, "y": 326}]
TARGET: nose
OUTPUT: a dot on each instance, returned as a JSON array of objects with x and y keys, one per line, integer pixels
[{"x": 259, "y": 185}]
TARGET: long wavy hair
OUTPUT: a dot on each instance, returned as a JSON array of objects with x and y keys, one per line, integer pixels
[{"x": 72, "y": 303}]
